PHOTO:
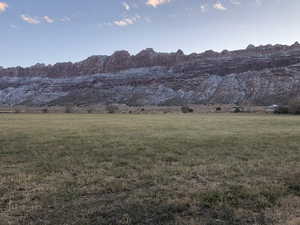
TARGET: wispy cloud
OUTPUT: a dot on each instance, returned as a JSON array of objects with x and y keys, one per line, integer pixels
[
  {"x": 3, "y": 6},
  {"x": 29, "y": 19},
  {"x": 65, "y": 19},
  {"x": 48, "y": 19},
  {"x": 127, "y": 21},
  {"x": 126, "y": 6},
  {"x": 105, "y": 24},
  {"x": 203, "y": 8},
  {"x": 155, "y": 3},
  {"x": 219, "y": 6},
  {"x": 44, "y": 19}
]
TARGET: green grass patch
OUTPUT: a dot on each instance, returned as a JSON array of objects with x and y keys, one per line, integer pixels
[{"x": 167, "y": 169}]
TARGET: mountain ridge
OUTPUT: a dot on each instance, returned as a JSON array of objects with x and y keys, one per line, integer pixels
[
  {"x": 257, "y": 75},
  {"x": 123, "y": 60}
]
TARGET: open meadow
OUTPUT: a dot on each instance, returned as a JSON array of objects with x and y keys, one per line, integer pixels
[{"x": 167, "y": 169}]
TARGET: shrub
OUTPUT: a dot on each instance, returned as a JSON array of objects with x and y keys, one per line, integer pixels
[
  {"x": 112, "y": 108},
  {"x": 68, "y": 109},
  {"x": 90, "y": 110},
  {"x": 45, "y": 110},
  {"x": 237, "y": 109},
  {"x": 186, "y": 109},
  {"x": 294, "y": 106},
  {"x": 218, "y": 109},
  {"x": 281, "y": 110},
  {"x": 17, "y": 110}
]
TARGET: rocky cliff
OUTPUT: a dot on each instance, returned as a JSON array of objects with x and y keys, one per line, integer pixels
[{"x": 258, "y": 75}]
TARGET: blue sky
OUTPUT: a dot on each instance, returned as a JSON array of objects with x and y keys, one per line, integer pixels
[{"x": 47, "y": 31}]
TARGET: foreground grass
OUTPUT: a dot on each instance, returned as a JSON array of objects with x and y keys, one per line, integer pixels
[{"x": 217, "y": 169}]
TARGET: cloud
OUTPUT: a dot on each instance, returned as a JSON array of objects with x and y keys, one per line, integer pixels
[
  {"x": 127, "y": 21},
  {"x": 65, "y": 19},
  {"x": 44, "y": 19},
  {"x": 3, "y": 6},
  {"x": 106, "y": 24},
  {"x": 219, "y": 6},
  {"x": 30, "y": 20},
  {"x": 203, "y": 8},
  {"x": 126, "y": 6},
  {"x": 155, "y": 3},
  {"x": 48, "y": 19}
]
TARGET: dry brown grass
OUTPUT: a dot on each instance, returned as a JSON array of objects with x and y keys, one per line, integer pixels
[
  {"x": 213, "y": 169},
  {"x": 294, "y": 221}
]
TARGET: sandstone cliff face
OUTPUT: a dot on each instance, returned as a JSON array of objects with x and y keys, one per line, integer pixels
[
  {"x": 120, "y": 60},
  {"x": 259, "y": 75}
]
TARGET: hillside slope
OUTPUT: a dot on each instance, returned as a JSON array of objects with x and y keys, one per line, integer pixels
[{"x": 259, "y": 75}]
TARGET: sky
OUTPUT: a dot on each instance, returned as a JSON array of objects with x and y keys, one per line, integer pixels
[{"x": 51, "y": 31}]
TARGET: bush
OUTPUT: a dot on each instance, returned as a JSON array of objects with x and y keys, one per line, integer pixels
[
  {"x": 186, "y": 109},
  {"x": 294, "y": 106},
  {"x": 281, "y": 110},
  {"x": 218, "y": 109},
  {"x": 68, "y": 109},
  {"x": 89, "y": 111},
  {"x": 45, "y": 110},
  {"x": 112, "y": 108},
  {"x": 237, "y": 109},
  {"x": 17, "y": 110}
]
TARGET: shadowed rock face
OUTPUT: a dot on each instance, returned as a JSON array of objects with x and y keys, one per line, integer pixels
[{"x": 260, "y": 75}]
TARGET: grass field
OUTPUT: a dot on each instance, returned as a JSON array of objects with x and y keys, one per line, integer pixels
[{"x": 210, "y": 169}]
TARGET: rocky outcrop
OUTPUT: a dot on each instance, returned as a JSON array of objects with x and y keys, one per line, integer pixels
[
  {"x": 259, "y": 75},
  {"x": 213, "y": 62},
  {"x": 120, "y": 60}
]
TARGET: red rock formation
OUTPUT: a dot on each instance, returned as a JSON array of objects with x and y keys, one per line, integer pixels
[{"x": 226, "y": 61}]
